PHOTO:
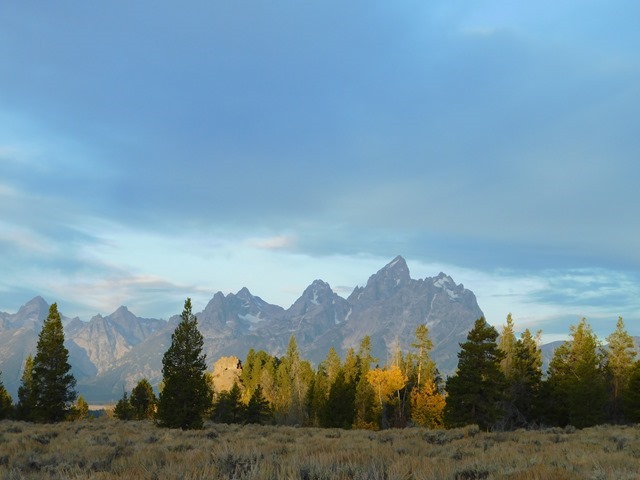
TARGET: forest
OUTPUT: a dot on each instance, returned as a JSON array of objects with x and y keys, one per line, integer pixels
[{"x": 499, "y": 384}]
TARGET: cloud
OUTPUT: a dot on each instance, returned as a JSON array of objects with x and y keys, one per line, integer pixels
[{"x": 278, "y": 242}]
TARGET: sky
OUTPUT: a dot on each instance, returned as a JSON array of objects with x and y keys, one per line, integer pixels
[{"x": 151, "y": 151}]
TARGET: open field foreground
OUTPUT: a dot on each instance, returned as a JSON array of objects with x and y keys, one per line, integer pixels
[{"x": 108, "y": 449}]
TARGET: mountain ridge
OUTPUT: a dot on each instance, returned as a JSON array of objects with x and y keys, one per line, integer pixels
[{"x": 114, "y": 351}]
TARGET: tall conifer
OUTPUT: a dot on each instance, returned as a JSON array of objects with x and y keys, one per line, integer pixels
[
  {"x": 186, "y": 395},
  {"x": 476, "y": 391},
  {"x": 53, "y": 383}
]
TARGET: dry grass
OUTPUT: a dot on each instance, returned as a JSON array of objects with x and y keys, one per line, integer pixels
[{"x": 109, "y": 449}]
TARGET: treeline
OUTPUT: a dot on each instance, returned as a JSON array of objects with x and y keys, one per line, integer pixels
[{"x": 499, "y": 384}]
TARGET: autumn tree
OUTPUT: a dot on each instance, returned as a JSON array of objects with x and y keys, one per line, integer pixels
[
  {"x": 427, "y": 402},
  {"x": 52, "y": 381},
  {"x": 386, "y": 383},
  {"x": 293, "y": 378},
  {"x": 576, "y": 387},
  {"x": 143, "y": 400},
  {"x": 427, "y": 405},
  {"x": 507, "y": 345},
  {"x": 186, "y": 395},
  {"x": 476, "y": 391},
  {"x": 259, "y": 369},
  {"x": 80, "y": 410},
  {"x": 621, "y": 354},
  {"x": 424, "y": 345}
]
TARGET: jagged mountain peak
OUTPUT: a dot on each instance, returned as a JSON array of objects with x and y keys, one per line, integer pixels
[
  {"x": 318, "y": 291},
  {"x": 244, "y": 293},
  {"x": 37, "y": 305},
  {"x": 385, "y": 283},
  {"x": 396, "y": 270},
  {"x": 122, "y": 310}
]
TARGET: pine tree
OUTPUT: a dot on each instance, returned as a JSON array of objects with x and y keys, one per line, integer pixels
[
  {"x": 228, "y": 407},
  {"x": 187, "y": 394},
  {"x": 576, "y": 385},
  {"x": 123, "y": 409},
  {"x": 53, "y": 382},
  {"x": 317, "y": 395},
  {"x": 258, "y": 409},
  {"x": 340, "y": 405},
  {"x": 6, "y": 402},
  {"x": 143, "y": 400},
  {"x": 526, "y": 379},
  {"x": 476, "y": 391},
  {"x": 365, "y": 394},
  {"x": 26, "y": 400},
  {"x": 522, "y": 368},
  {"x": 631, "y": 395},
  {"x": 621, "y": 355}
]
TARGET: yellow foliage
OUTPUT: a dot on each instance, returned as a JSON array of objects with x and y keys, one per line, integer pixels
[
  {"x": 386, "y": 382},
  {"x": 427, "y": 406}
]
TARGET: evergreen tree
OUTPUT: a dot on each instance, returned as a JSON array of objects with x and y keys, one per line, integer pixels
[
  {"x": 522, "y": 368},
  {"x": 228, "y": 407},
  {"x": 631, "y": 395},
  {"x": 258, "y": 409},
  {"x": 123, "y": 409},
  {"x": 333, "y": 365},
  {"x": 621, "y": 354},
  {"x": 476, "y": 391},
  {"x": 26, "y": 400},
  {"x": 6, "y": 402},
  {"x": 187, "y": 394},
  {"x": 340, "y": 405},
  {"x": 576, "y": 384},
  {"x": 52, "y": 380},
  {"x": 143, "y": 400},
  {"x": 365, "y": 399},
  {"x": 317, "y": 396},
  {"x": 525, "y": 381}
]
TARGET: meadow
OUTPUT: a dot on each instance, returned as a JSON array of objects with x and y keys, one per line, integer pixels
[{"x": 111, "y": 449}]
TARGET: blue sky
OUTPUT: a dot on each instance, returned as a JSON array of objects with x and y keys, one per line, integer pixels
[{"x": 150, "y": 152}]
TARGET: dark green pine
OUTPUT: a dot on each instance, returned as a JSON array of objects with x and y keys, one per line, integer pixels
[
  {"x": 186, "y": 394},
  {"x": 476, "y": 391},
  {"x": 53, "y": 383}
]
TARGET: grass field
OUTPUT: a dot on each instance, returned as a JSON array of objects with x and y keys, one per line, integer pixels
[{"x": 110, "y": 449}]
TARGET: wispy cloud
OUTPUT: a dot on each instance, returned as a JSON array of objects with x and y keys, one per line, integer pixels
[{"x": 279, "y": 242}]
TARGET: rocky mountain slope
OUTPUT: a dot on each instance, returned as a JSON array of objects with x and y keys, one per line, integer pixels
[{"x": 112, "y": 352}]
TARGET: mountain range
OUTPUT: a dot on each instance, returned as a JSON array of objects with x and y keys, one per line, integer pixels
[{"x": 109, "y": 353}]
